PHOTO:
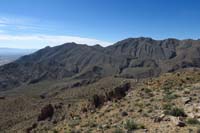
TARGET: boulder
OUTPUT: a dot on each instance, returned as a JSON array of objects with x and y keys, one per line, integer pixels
[
  {"x": 2, "y": 98},
  {"x": 43, "y": 96},
  {"x": 116, "y": 94},
  {"x": 105, "y": 126},
  {"x": 178, "y": 121},
  {"x": 46, "y": 112},
  {"x": 191, "y": 115},
  {"x": 197, "y": 115},
  {"x": 28, "y": 130},
  {"x": 186, "y": 100},
  {"x": 159, "y": 118},
  {"x": 97, "y": 100},
  {"x": 180, "y": 124},
  {"x": 124, "y": 113}
]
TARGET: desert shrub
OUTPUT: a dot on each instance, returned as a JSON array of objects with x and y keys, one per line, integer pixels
[
  {"x": 147, "y": 90},
  {"x": 75, "y": 131},
  {"x": 55, "y": 131},
  {"x": 193, "y": 121},
  {"x": 150, "y": 110},
  {"x": 167, "y": 106},
  {"x": 186, "y": 92},
  {"x": 152, "y": 99},
  {"x": 92, "y": 124},
  {"x": 167, "y": 85},
  {"x": 139, "y": 104},
  {"x": 169, "y": 96},
  {"x": 141, "y": 126},
  {"x": 130, "y": 125},
  {"x": 175, "y": 112},
  {"x": 148, "y": 104},
  {"x": 74, "y": 123},
  {"x": 145, "y": 115},
  {"x": 118, "y": 130}
]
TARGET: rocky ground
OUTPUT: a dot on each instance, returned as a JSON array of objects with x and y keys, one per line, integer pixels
[{"x": 166, "y": 104}]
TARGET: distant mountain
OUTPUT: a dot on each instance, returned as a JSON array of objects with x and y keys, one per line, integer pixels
[
  {"x": 129, "y": 58},
  {"x": 15, "y": 51},
  {"x": 8, "y": 55}
]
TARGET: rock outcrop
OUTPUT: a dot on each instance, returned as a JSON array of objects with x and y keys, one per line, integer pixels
[
  {"x": 46, "y": 112},
  {"x": 115, "y": 94}
]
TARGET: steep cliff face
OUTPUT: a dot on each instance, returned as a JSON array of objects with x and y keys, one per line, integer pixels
[{"x": 132, "y": 58}]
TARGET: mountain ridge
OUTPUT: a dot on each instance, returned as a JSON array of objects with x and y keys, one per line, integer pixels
[{"x": 130, "y": 58}]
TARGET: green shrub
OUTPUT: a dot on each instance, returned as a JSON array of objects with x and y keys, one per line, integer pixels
[
  {"x": 175, "y": 112},
  {"x": 167, "y": 106},
  {"x": 193, "y": 121},
  {"x": 75, "y": 131},
  {"x": 146, "y": 90},
  {"x": 167, "y": 85},
  {"x": 130, "y": 125},
  {"x": 92, "y": 124},
  {"x": 169, "y": 96},
  {"x": 55, "y": 131},
  {"x": 118, "y": 130},
  {"x": 141, "y": 126},
  {"x": 145, "y": 115}
]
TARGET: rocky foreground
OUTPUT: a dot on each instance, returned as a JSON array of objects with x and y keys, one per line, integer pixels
[{"x": 166, "y": 104}]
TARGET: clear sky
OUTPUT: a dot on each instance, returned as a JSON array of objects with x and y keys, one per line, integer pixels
[{"x": 37, "y": 23}]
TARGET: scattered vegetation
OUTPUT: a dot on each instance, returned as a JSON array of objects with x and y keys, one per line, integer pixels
[
  {"x": 74, "y": 123},
  {"x": 170, "y": 96},
  {"x": 167, "y": 106},
  {"x": 130, "y": 125},
  {"x": 147, "y": 90},
  {"x": 193, "y": 121},
  {"x": 175, "y": 112},
  {"x": 124, "y": 114},
  {"x": 118, "y": 130}
]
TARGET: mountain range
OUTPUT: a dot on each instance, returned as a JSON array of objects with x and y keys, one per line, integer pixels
[
  {"x": 137, "y": 84},
  {"x": 8, "y": 55},
  {"x": 15, "y": 51},
  {"x": 130, "y": 58}
]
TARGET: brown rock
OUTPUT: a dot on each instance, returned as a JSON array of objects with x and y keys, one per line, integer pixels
[
  {"x": 118, "y": 93},
  {"x": 97, "y": 100},
  {"x": 186, "y": 100},
  {"x": 124, "y": 113},
  {"x": 159, "y": 118},
  {"x": 46, "y": 112},
  {"x": 178, "y": 122},
  {"x": 28, "y": 130},
  {"x": 2, "y": 98}
]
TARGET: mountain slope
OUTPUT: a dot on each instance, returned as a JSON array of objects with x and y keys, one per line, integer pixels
[
  {"x": 56, "y": 63},
  {"x": 130, "y": 58}
]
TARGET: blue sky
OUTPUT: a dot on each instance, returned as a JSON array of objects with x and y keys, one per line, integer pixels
[{"x": 37, "y": 23}]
